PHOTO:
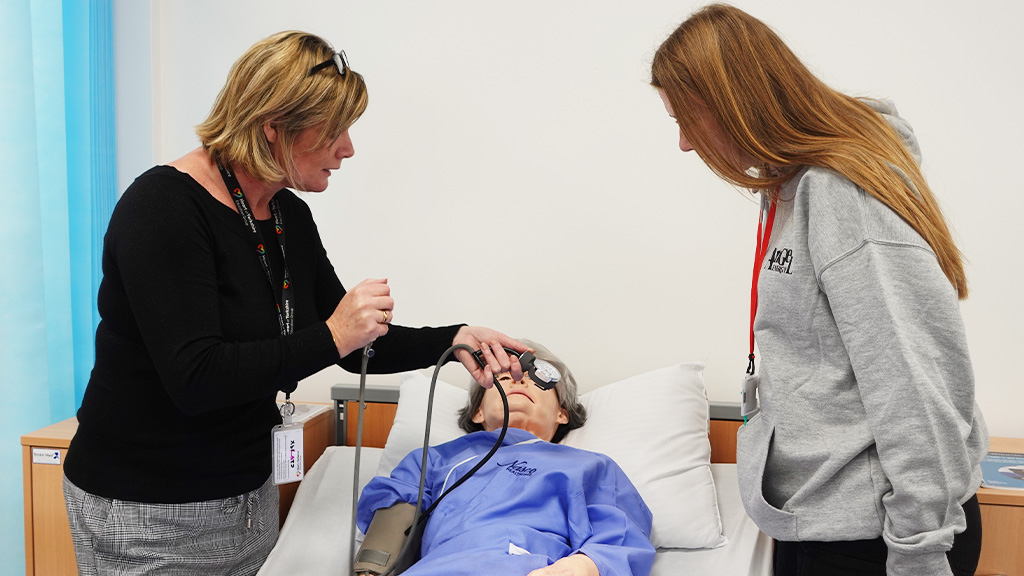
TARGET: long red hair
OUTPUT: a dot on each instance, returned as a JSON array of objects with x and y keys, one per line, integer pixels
[{"x": 725, "y": 63}]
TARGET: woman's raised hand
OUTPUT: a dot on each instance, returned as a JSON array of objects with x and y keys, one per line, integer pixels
[
  {"x": 362, "y": 316},
  {"x": 491, "y": 343}
]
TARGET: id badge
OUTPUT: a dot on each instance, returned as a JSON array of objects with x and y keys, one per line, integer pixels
[
  {"x": 287, "y": 445},
  {"x": 748, "y": 395}
]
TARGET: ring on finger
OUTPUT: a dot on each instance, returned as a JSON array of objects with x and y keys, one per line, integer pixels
[{"x": 385, "y": 312}]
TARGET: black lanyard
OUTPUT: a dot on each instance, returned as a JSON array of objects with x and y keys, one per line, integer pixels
[{"x": 285, "y": 306}]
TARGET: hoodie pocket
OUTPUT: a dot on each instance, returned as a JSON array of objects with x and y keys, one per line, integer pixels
[
  {"x": 753, "y": 444},
  {"x": 879, "y": 482}
]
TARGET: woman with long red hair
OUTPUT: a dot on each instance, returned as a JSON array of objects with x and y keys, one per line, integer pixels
[{"x": 864, "y": 456}]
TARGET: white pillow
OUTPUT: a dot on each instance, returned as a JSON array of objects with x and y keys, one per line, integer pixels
[
  {"x": 410, "y": 419},
  {"x": 654, "y": 425}
]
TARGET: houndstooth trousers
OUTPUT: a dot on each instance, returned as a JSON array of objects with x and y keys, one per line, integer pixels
[{"x": 229, "y": 537}]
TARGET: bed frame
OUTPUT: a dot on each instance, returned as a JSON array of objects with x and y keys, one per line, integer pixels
[{"x": 382, "y": 402}]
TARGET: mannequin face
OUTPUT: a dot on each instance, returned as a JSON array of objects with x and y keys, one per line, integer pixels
[{"x": 530, "y": 408}]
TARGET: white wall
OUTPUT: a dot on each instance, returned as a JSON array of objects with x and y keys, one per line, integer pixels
[
  {"x": 515, "y": 170},
  {"x": 133, "y": 89}
]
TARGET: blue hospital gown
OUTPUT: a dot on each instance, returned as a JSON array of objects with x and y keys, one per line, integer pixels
[{"x": 532, "y": 503}]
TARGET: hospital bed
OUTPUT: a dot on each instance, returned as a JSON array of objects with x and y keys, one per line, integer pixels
[{"x": 658, "y": 426}]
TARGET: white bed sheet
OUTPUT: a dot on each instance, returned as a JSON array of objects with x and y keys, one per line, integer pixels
[
  {"x": 314, "y": 540},
  {"x": 748, "y": 552}
]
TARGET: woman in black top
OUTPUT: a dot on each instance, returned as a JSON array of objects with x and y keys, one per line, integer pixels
[{"x": 217, "y": 294}]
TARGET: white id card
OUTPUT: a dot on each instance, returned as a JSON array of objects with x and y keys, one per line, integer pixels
[
  {"x": 287, "y": 445},
  {"x": 748, "y": 395}
]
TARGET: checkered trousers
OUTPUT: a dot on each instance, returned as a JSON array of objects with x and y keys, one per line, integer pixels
[{"x": 230, "y": 536}]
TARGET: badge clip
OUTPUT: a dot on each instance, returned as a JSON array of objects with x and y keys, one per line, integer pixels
[{"x": 749, "y": 404}]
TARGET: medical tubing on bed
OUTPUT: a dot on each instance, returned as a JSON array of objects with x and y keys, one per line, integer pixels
[
  {"x": 421, "y": 517},
  {"x": 367, "y": 353}
]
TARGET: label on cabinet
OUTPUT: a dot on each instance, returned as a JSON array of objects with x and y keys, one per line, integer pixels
[{"x": 45, "y": 456}]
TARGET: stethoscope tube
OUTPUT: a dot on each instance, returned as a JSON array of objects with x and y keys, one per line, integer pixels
[{"x": 367, "y": 354}]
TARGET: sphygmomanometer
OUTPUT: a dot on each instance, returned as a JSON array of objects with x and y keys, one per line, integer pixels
[{"x": 392, "y": 540}]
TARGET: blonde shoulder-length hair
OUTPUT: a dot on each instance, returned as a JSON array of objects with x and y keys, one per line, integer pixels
[
  {"x": 272, "y": 83},
  {"x": 724, "y": 66}
]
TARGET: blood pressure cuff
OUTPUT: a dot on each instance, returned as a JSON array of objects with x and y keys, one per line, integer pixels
[{"x": 384, "y": 540}]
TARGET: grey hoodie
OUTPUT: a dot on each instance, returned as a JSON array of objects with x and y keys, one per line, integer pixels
[{"x": 868, "y": 424}]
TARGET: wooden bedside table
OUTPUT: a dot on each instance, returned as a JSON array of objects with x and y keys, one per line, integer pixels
[
  {"x": 1002, "y": 520},
  {"x": 48, "y": 548}
]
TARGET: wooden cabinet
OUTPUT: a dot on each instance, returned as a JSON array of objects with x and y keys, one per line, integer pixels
[
  {"x": 378, "y": 415},
  {"x": 1002, "y": 522},
  {"x": 48, "y": 547}
]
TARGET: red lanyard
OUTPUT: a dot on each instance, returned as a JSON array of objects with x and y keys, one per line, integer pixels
[{"x": 759, "y": 254}]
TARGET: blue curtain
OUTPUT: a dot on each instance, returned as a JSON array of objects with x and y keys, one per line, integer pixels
[{"x": 57, "y": 156}]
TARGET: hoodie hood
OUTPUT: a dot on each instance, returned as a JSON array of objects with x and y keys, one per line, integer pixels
[{"x": 888, "y": 110}]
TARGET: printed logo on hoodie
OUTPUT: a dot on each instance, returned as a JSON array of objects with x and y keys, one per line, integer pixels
[{"x": 781, "y": 261}]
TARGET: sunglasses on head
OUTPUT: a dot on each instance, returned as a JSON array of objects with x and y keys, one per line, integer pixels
[{"x": 339, "y": 61}]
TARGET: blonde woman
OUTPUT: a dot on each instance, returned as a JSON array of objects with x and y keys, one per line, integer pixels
[
  {"x": 864, "y": 457},
  {"x": 217, "y": 294}
]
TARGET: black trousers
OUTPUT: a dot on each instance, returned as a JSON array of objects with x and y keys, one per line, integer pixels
[{"x": 867, "y": 557}]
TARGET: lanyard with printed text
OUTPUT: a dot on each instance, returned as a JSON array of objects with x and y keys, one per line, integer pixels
[
  {"x": 760, "y": 251},
  {"x": 285, "y": 306}
]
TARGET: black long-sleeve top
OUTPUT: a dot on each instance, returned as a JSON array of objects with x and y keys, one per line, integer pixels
[{"x": 189, "y": 353}]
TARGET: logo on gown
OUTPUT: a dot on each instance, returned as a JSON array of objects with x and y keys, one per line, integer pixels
[{"x": 519, "y": 468}]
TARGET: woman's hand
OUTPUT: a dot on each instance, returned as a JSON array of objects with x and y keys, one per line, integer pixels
[
  {"x": 575, "y": 565},
  {"x": 491, "y": 343},
  {"x": 362, "y": 316}
]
